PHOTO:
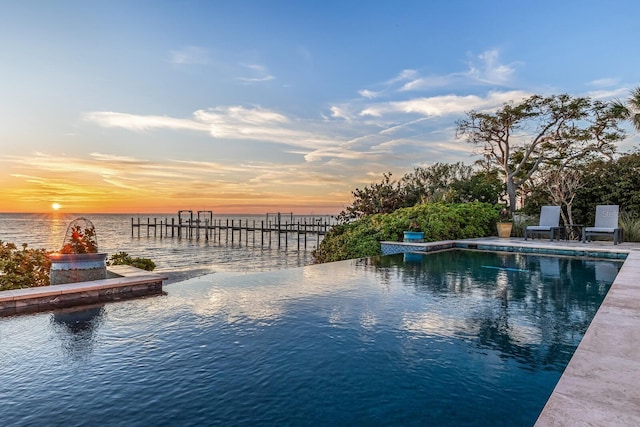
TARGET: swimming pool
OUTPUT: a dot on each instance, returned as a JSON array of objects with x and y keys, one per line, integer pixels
[{"x": 449, "y": 338}]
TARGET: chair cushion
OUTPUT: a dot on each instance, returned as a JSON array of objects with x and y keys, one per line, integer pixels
[
  {"x": 549, "y": 216},
  {"x": 600, "y": 229},
  {"x": 606, "y": 216},
  {"x": 538, "y": 228}
]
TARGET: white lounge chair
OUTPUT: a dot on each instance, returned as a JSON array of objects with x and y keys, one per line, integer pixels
[
  {"x": 606, "y": 224},
  {"x": 549, "y": 222}
]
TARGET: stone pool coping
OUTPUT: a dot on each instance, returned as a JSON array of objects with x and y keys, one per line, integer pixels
[
  {"x": 601, "y": 384},
  {"x": 124, "y": 282}
]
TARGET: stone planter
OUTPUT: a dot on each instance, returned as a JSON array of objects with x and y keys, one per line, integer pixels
[
  {"x": 72, "y": 268},
  {"x": 414, "y": 236},
  {"x": 504, "y": 229}
]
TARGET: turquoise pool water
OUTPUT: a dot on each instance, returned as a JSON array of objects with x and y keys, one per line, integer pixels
[{"x": 449, "y": 338}]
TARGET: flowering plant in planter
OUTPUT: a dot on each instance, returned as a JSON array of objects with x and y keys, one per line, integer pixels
[
  {"x": 414, "y": 226},
  {"x": 505, "y": 223},
  {"x": 505, "y": 215},
  {"x": 80, "y": 240},
  {"x": 78, "y": 260}
]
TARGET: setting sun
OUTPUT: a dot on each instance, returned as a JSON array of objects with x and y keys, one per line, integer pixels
[{"x": 56, "y": 206}]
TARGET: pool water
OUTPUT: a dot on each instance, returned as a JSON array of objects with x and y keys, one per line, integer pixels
[{"x": 449, "y": 338}]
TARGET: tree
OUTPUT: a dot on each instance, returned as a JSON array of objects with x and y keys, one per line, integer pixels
[
  {"x": 385, "y": 197},
  {"x": 451, "y": 183},
  {"x": 629, "y": 110},
  {"x": 614, "y": 182},
  {"x": 440, "y": 182},
  {"x": 435, "y": 183},
  {"x": 560, "y": 130},
  {"x": 482, "y": 186},
  {"x": 562, "y": 186}
]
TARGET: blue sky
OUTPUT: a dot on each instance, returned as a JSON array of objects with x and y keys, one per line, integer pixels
[{"x": 258, "y": 106}]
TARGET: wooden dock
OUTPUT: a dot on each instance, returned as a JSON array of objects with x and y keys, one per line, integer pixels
[{"x": 202, "y": 225}]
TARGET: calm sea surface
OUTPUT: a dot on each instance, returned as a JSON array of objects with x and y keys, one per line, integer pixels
[{"x": 179, "y": 258}]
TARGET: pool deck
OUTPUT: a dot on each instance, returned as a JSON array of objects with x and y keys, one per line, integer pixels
[{"x": 601, "y": 384}]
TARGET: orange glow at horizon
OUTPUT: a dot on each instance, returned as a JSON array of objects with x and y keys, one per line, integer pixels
[
  {"x": 43, "y": 184},
  {"x": 31, "y": 200}
]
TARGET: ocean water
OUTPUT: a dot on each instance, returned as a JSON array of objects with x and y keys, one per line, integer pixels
[{"x": 179, "y": 258}]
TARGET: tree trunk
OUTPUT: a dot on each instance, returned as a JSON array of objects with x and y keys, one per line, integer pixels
[
  {"x": 564, "y": 217},
  {"x": 569, "y": 214},
  {"x": 511, "y": 193}
]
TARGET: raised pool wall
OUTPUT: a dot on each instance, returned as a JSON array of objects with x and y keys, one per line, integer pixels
[
  {"x": 122, "y": 282},
  {"x": 391, "y": 248}
]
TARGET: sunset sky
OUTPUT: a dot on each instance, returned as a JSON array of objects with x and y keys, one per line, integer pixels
[{"x": 263, "y": 106}]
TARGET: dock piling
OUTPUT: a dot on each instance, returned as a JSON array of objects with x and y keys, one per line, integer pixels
[{"x": 190, "y": 227}]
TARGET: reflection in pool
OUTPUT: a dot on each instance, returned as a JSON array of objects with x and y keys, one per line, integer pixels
[{"x": 450, "y": 338}]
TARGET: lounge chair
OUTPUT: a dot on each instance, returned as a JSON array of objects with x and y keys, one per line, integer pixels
[
  {"x": 606, "y": 224},
  {"x": 549, "y": 222}
]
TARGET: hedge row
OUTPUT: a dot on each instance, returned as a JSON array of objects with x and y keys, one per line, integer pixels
[{"x": 438, "y": 221}]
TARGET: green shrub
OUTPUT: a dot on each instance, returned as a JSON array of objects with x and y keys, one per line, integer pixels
[
  {"x": 123, "y": 258},
  {"x": 630, "y": 223},
  {"x": 23, "y": 268},
  {"x": 28, "y": 268},
  {"x": 520, "y": 223},
  {"x": 438, "y": 221}
]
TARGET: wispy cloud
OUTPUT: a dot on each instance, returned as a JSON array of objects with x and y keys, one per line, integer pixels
[
  {"x": 489, "y": 70},
  {"x": 389, "y": 86},
  {"x": 141, "y": 123},
  {"x": 339, "y": 113},
  {"x": 483, "y": 69},
  {"x": 368, "y": 93},
  {"x": 403, "y": 76},
  {"x": 231, "y": 122},
  {"x": 379, "y": 132},
  {"x": 604, "y": 82},
  {"x": 606, "y": 95},
  {"x": 444, "y": 105},
  {"x": 431, "y": 82},
  {"x": 102, "y": 178},
  {"x": 259, "y": 73},
  {"x": 190, "y": 55}
]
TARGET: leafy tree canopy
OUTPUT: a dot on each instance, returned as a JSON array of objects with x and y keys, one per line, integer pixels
[
  {"x": 629, "y": 109},
  {"x": 615, "y": 182},
  {"x": 558, "y": 130},
  {"x": 441, "y": 182}
]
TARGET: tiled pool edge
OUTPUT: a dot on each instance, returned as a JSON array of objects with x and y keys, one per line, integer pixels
[
  {"x": 601, "y": 384},
  {"x": 390, "y": 248},
  {"x": 130, "y": 283}
]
